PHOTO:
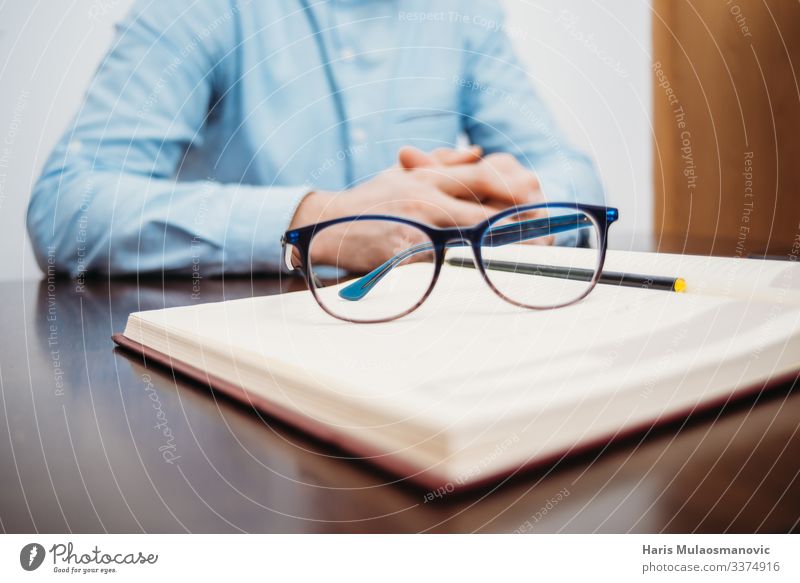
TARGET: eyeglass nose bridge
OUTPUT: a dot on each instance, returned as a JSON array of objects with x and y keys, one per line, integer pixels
[{"x": 458, "y": 237}]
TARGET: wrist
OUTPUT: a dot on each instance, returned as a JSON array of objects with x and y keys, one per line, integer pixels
[
  {"x": 315, "y": 207},
  {"x": 318, "y": 206}
]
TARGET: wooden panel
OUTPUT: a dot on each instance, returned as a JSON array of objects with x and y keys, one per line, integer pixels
[{"x": 727, "y": 125}]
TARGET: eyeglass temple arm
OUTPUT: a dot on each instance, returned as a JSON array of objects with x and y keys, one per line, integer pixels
[
  {"x": 503, "y": 235},
  {"x": 360, "y": 287}
]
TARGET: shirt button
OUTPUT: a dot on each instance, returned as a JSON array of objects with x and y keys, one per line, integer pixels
[
  {"x": 358, "y": 135},
  {"x": 347, "y": 54}
]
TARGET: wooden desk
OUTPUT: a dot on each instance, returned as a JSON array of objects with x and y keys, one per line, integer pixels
[{"x": 79, "y": 448}]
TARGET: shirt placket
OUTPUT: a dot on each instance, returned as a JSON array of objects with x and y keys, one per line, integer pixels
[{"x": 356, "y": 66}]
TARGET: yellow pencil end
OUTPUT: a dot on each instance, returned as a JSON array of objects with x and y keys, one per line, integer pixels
[{"x": 680, "y": 285}]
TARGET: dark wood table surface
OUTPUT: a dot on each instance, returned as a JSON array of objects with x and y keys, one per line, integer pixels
[{"x": 83, "y": 447}]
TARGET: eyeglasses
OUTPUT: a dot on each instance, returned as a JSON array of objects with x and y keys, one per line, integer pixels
[{"x": 540, "y": 256}]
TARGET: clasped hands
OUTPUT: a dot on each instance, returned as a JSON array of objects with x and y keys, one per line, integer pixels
[{"x": 443, "y": 188}]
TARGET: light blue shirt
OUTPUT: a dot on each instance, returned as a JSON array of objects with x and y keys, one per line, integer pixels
[{"x": 209, "y": 120}]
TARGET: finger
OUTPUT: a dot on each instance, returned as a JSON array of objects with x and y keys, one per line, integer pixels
[
  {"x": 505, "y": 172},
  {"x": 478, "y": 183},
  {"x": 451, "y": 157},
  {"x": 451, "y": 212},
  {"x": 410, "y": 157},
  {"x": 514, "y": 183},
  {"x": 515, "y": 186}
]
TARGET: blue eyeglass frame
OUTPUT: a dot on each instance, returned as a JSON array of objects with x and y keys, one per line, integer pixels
[{"x": 296, "y": 245}]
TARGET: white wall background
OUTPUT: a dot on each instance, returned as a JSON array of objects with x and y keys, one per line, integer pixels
[{"x": 590, "y": 60}]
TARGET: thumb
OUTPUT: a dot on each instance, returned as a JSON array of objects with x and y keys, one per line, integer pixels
[{"x": 410, "y": 157}]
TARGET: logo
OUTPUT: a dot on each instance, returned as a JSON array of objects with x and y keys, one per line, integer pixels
[{"x": 31, "y": 556}]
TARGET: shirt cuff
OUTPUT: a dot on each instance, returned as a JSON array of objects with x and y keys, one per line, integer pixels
[{"x": 258, "y": 218}]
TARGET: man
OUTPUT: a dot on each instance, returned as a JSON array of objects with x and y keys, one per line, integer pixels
[{"x": 212, "y": 126}]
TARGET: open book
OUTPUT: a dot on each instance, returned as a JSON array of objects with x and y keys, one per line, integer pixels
[{"x": 469, "y": 388}]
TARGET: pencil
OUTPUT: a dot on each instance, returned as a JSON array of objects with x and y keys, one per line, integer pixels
[{"x": 656, "y": 282}]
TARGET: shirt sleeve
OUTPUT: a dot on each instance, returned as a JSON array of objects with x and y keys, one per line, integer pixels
[
  {"x": 503, "y": 113},
  {"x": 108, "y": 199}
]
